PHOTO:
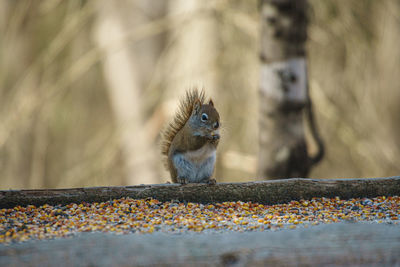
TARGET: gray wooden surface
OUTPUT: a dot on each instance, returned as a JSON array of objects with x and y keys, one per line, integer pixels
[{"x": 341, "y": 244}]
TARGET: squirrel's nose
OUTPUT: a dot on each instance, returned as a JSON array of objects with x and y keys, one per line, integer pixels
[{"x": 216, "y": 125}]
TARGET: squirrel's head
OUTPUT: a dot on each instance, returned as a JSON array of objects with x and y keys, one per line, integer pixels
[{"x": 205, "y": 120}]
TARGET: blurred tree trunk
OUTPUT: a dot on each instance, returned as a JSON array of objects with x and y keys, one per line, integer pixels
[
  {"x": 121, "y": 69},
  {"x": 283, "y": 90},
  {"x": 191, "y": 62}
]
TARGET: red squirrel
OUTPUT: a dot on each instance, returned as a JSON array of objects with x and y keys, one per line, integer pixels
[{"x": 190, "y": 141}]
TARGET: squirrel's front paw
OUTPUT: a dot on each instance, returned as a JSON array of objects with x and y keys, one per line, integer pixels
[
  {"x": 212, "y": 182},
  {"x": 216, "y": 137},
  {"x": 182, "y": 180},
  {"x": 213, "y": 137}
]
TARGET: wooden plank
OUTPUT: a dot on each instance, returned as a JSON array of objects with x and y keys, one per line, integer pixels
[
  {"x": 267, "y": 192},
  {"x": 337, "y": 244}
]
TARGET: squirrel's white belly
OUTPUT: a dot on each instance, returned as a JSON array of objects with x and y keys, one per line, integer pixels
[{"x": 196, "y": 166}]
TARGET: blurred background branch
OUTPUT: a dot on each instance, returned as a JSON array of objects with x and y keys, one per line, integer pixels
[{"x": 65, "y": 70}]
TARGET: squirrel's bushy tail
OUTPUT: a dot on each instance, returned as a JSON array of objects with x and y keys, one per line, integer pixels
[{"x": 180, "y": 119}]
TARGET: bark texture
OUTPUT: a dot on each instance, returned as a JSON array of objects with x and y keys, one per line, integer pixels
[
  {"x": 267, "y": 192},
  {"x": 283, "y": 90}
]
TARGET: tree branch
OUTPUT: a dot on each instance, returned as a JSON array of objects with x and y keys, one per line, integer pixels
[{"x": 267, "y": 192}]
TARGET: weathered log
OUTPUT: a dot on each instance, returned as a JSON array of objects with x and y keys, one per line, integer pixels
[{"x": 267, "y": 192}]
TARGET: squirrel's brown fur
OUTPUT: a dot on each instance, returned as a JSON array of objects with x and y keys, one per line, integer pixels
[{"x": 180, "y": 119}]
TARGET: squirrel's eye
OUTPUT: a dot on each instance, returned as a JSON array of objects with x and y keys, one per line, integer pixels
[{"x": 204, "y": 117}]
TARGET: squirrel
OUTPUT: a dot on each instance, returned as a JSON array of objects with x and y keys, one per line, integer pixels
[{"x": 190, "y": 141}]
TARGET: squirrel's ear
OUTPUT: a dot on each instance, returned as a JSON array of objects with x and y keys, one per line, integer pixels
[
  {"x": 196, "y": 106},
  {"x": 211, "y": 103}
]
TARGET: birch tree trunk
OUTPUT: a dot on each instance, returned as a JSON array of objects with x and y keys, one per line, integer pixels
[
  {"x": 283, "y": 89},
  {"x": 121, "y": 72}
]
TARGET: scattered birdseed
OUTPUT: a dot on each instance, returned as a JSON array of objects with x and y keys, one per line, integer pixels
[{"x": 125, "y": 215}]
